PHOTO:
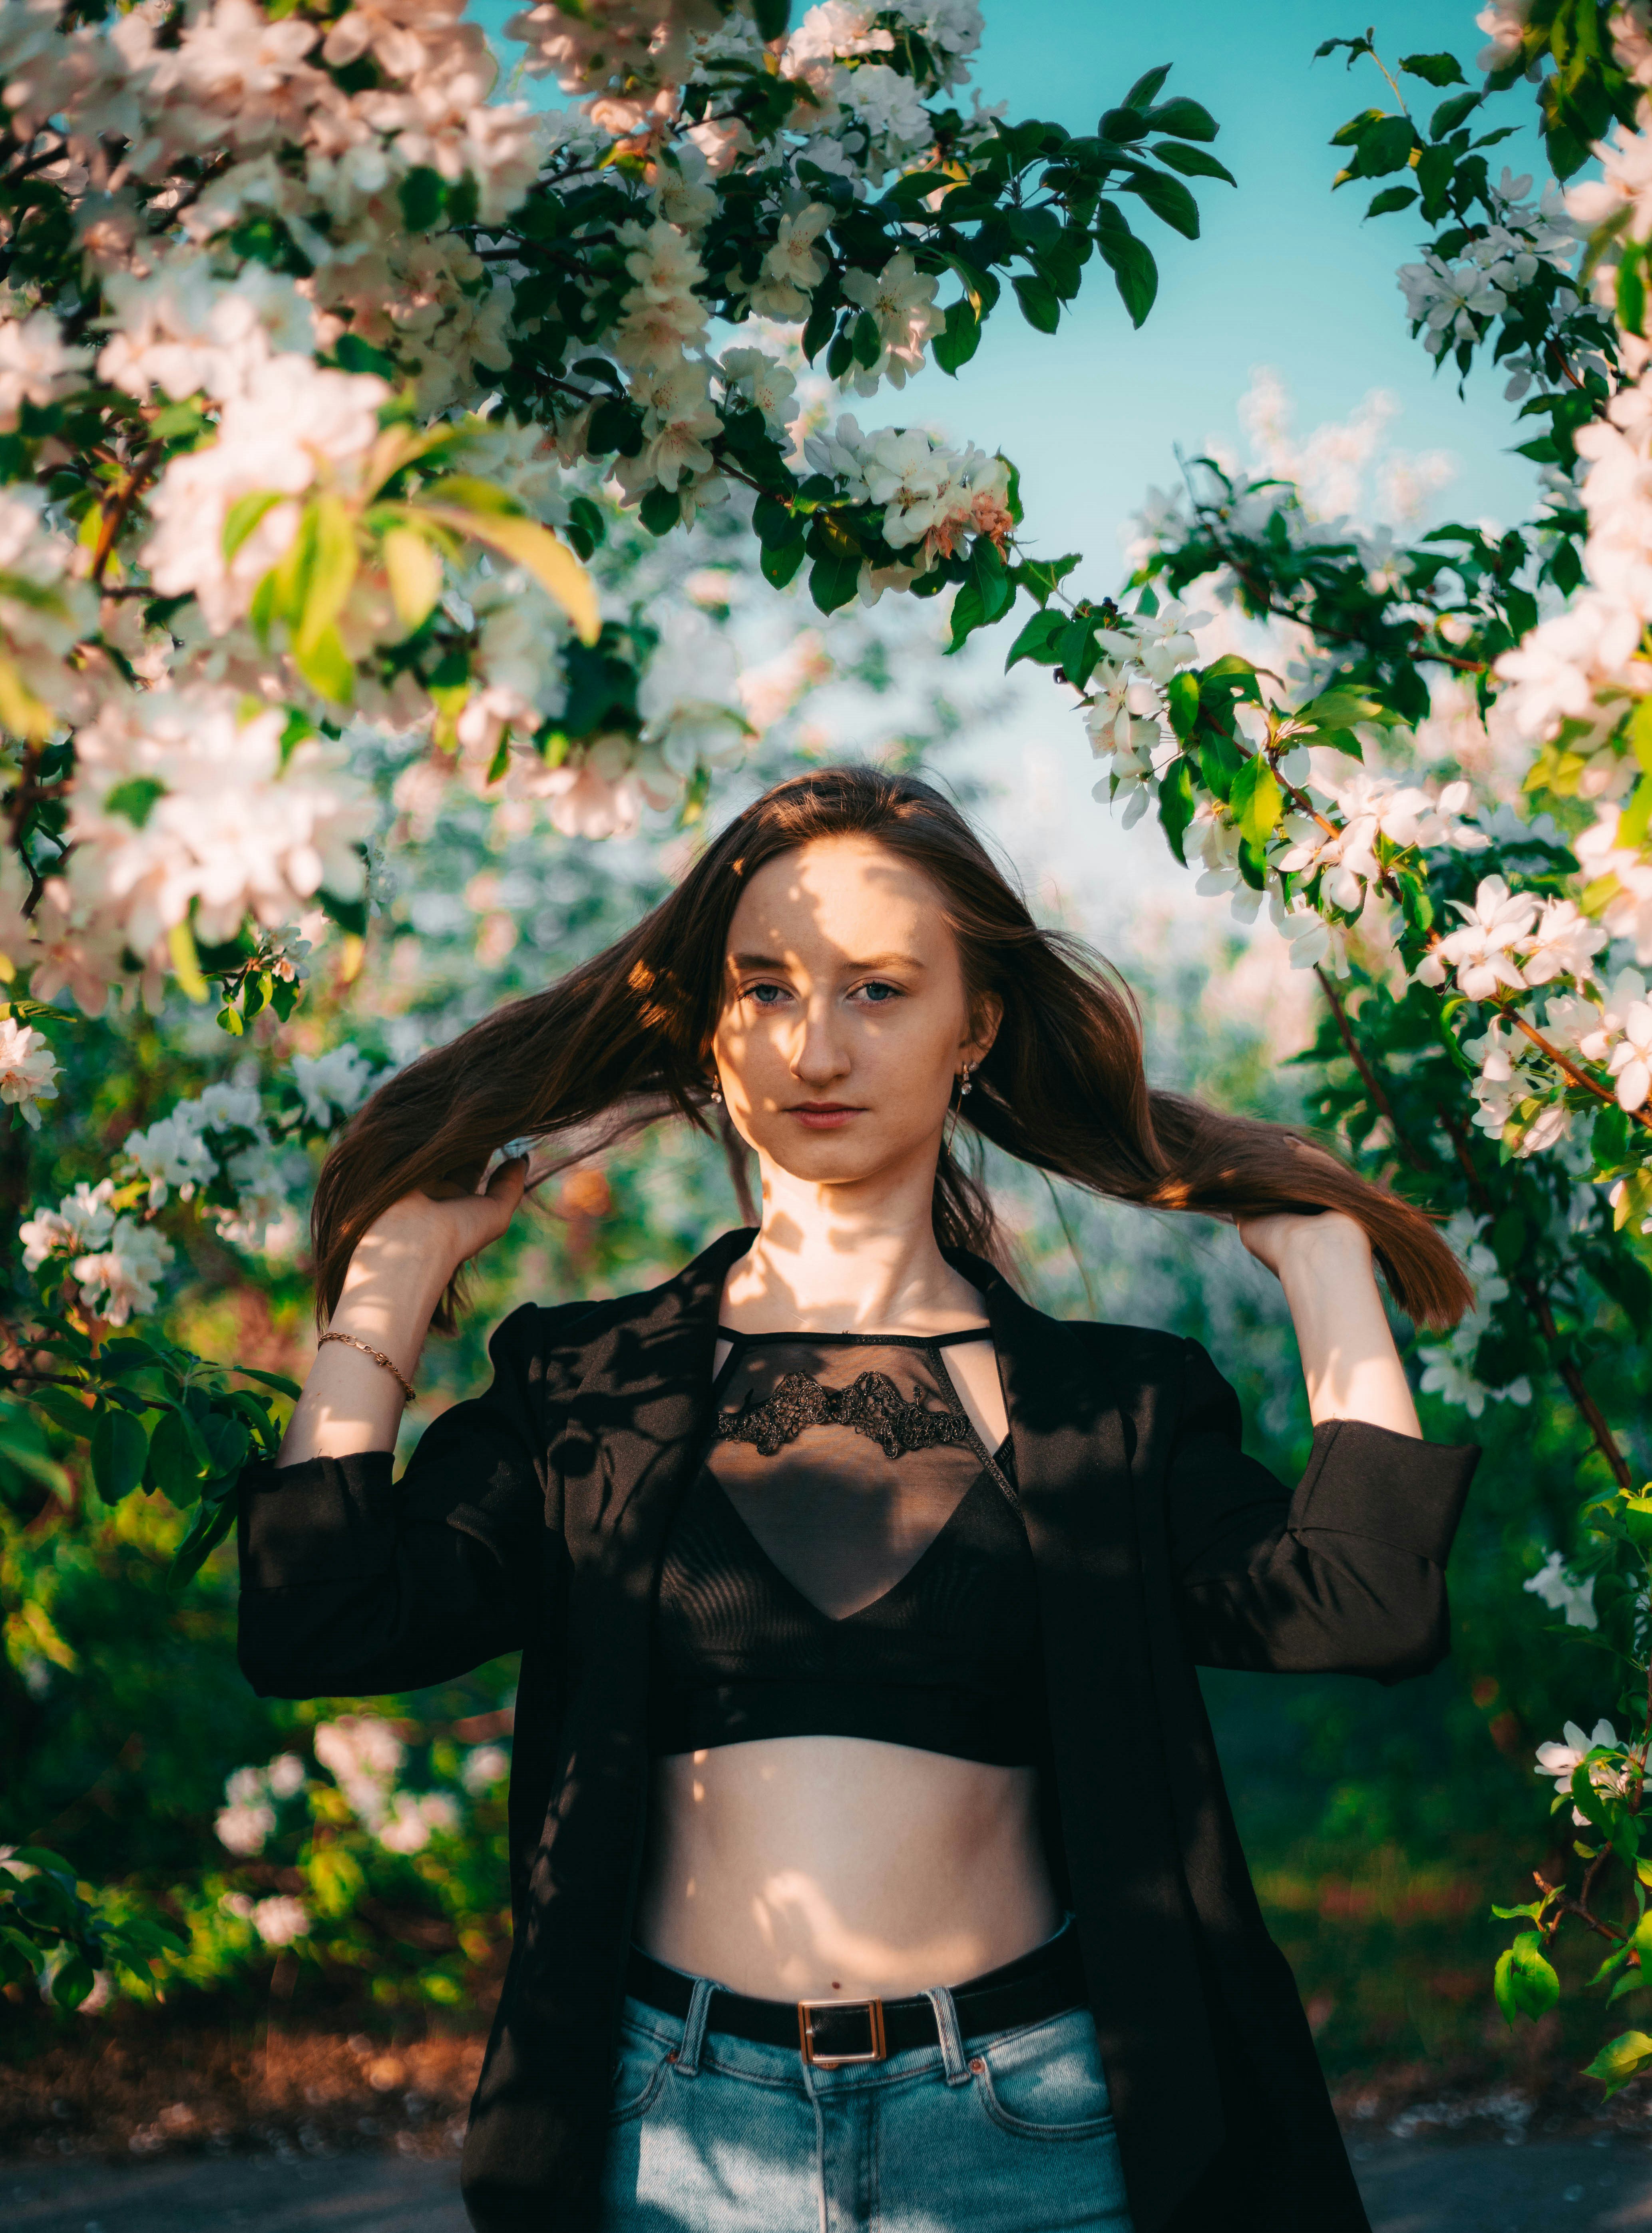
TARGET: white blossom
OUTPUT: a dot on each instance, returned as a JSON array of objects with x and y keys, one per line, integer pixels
[
  {"x": 363, "y": 1755},
  {"x": 1561, "y": 1593},
  {"x": 334, "y": 1085},
  {"x": 36, "y": 365},
  {"x": 122, "y": 1277},
  {"x": 84, "y": 1221},
  {"x": 762, "y": 381},
  {"x": 1631, "y": 1062},
  {"x": 413, "y": 1818},
  {"x": 484, "y": 1768},
  {"x": 28, "y": 1069},
  {"x": 1481, "y": 952},
  {"x": 281, "y": 1919},
  {"x": 901, "y": 302},
  {"x": 1562, "y": 944}
]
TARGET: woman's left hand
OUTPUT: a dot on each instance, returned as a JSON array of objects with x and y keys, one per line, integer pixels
[
  {"x": 1324, "y": 1263},
  {"x": 1285, "y": 1239}
]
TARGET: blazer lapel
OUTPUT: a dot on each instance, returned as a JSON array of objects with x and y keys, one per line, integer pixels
[
  {"x": 629, "y": 1432},
  {"x": 1118, "y": 1820}
]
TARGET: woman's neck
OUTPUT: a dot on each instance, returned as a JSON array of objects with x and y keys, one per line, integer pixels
[{"x": 860, "y": 1259}]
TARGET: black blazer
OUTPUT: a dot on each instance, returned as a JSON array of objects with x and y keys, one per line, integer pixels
[{"x": 533, "y": 1517}]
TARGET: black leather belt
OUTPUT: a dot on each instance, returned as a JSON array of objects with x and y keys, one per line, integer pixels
[{"x": 1044, "y": 1982}]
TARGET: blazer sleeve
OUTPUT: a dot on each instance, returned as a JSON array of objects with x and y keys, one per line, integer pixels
[
  {"x": 1343, "y": 1574},
  {"x": 353, "y": 1583}
]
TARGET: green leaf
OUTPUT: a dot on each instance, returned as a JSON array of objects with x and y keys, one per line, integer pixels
[
  {"x": 969, "y": 612},
  {"x": 1135, "y": 273},
  {"x": 1256, "y": 799},
  {"x": 243, "y": 516},
  {"x": 1038, "y": 640},
  {"x": 348, "y": 914},
  {"x": 1181, "y": 703},
  {"x": 176, "y": 420},
  {"x": 1450, "y": 114},
  {"x": 1341, "y": 706},
  {"x": 1183, "y": 118},
  {"x": 1167, "y": 198},
  {"x": 772, "y": 17},
  {"x": 550, "y": 562},
  {"x": 423, "y": 195},
  {"x": 661, "y": 511},
  {"x": 1385, "y": 145},
  {"x": 353, "y": 355},
  {"x": 24, "y": 1446},
  {"x": 957, "y": 343},
  {"x": 1040, "y": 304},
  {"x": 1434, "y": 70},
  {"x": 1176, "y": 804},
  {"x": 179, "y": 1460},
  {"x": 120, "y": 1452},
  {"x": 278, "y": 1381},
  {"x": 1145, "y": 90},
  {"x": 780, "y": 561},
  {"x": 1391, "y": 199},
  {"x": 773, "y": 520},
  {"x": 1619, "y": 2061},
  {"x": 1194, "y": 162},
  {"x": 833, "y": 581},
  {"x": 325, "y": 664},
  {"x": 134, "y": 798},
  {"x": 212, "y": 1523},
  {"x": 1639, "y": 734},
  {"x": 1525, "y": 1980}
]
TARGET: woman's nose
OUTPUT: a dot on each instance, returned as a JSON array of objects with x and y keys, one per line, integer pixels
[{"x": 820, "y": 1052}]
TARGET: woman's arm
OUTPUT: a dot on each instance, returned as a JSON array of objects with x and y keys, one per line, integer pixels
[
  {"x": 1348, "y": 1360},
  {"x": 352, "y": 1583},
  {"x": 396, "y": 1278}
]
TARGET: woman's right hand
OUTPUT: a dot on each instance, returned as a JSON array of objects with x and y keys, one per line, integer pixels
[
  {"x": 442, "y": 1225},
  {"x": 396, "y": 1277}
]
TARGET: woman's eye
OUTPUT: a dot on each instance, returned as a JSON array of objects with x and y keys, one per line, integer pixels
[
  {"x": 765, "y": 996},
  {"x": 878, "y": 993}
]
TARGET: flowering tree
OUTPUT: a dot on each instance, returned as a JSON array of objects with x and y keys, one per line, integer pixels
[
  {"x": 315, "y": 359},
  {"x": 1437, "y": 778},
  {"x": 342, "y": 408}
]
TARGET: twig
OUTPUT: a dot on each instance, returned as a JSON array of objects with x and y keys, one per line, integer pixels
[
  {"x": 114, "y": 517},
  {"x": 1530, "y": 1292},
  {"x": 1368, "y": 1077}
]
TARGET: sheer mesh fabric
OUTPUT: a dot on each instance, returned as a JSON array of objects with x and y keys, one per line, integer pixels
[{"x": 848, "y": 1561}]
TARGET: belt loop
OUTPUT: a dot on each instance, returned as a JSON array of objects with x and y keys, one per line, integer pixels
[
  {"x": 951, "y": 2042},
  {"x": 700, "y": 2008}
]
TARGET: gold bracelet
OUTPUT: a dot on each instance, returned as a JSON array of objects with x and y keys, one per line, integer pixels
[{"x": 378, "y": 1356}]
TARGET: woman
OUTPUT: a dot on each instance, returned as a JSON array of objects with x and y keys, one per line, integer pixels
[{"x": 871, "y": 1863}]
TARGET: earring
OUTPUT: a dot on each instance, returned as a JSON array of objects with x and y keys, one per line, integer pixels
[
  {"x": 717, "y": 1090},
  {"x": 952, "y": 1118}
]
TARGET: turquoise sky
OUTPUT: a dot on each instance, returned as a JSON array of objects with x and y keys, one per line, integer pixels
[{"x": 1285, "y": 274}]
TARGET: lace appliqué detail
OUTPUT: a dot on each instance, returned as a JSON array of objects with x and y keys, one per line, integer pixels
[{"x": 872, "y": 1405}]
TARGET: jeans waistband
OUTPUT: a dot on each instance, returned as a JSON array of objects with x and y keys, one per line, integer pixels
[{"x": 1046, "y": 1981}]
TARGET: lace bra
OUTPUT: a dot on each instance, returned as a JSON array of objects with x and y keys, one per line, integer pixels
[{"x": 849, "y": 1560}]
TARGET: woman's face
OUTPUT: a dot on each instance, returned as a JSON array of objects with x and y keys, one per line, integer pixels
[{"x": 845, "y": 1016}]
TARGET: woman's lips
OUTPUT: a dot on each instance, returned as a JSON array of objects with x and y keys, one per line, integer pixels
[{"x": 825, "y": 1116}]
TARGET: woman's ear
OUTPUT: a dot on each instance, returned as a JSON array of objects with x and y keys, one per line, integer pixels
[{"x": 987, "y": 1013}]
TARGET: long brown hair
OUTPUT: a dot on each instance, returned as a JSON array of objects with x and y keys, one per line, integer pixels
[{"x": 626, "y": 1037}]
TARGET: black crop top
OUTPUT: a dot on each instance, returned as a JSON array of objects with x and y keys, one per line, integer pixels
[{"x": 849, "y": 1561}]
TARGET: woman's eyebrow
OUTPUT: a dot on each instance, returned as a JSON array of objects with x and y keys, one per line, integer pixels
[{"x": 873, "y": 962}]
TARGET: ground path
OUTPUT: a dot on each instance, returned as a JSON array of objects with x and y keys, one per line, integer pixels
[{"x": 1556, "y": 2187}]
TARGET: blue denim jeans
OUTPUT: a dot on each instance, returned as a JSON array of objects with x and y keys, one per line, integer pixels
[{"x": 1011, "y": 2133}]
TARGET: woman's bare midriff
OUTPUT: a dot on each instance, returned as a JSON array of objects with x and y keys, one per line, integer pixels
[{"x": 801, "y": 1867}]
